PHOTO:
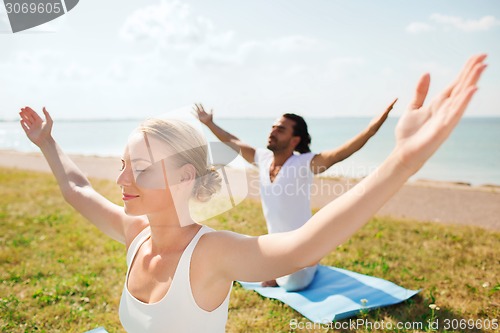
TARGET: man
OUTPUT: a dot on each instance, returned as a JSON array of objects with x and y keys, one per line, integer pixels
[{"x": 286, "y": 177}]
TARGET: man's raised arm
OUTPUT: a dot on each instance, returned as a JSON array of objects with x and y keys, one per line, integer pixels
[
  {"x": 322, "y": 161},
  {"x": 247, "y": 151}
]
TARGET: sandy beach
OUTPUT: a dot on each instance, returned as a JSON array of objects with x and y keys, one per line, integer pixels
[{"x": 422, "y": 200}]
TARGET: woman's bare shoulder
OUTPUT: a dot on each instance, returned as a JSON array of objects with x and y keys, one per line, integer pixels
[{"x": 217, "y": 242}]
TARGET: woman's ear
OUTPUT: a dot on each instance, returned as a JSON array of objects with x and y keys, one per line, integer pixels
[{"x": 187, "y": 173}]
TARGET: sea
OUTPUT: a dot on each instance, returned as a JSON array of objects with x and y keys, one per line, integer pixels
[{"x": 471, "y": 154}]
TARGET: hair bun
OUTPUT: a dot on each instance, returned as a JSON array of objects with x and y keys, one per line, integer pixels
[{"x": 207, "y": 185}]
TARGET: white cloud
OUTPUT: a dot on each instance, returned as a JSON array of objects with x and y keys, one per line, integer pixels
[
  {"x": 432, "y": 67},
  {"x": 258, "y": 52},
  {"x": 447, "y": 23},
  {"x": 294, "y": 43},
  {"x": 169, "y": 23},
  {"x": 74, "y": 72},
  {"x": 177, "y": 33},
  {"x": 230, "y": 52},
  {"x": 172, "y": 26},
  {"x": 340, "y": 62},
  {"x": 40, "y": 62},
  {"x": 339, "y": 68},
  {"x": 296, "y": 70},
  {"x": 47, "y": 66},
  {"x": 419, "y": 27},
  {"x": 207, "y": 58},
  {"x": 483, "y": 24},
  {"x": 138, "y": 69},
  {"x": 117, "y": 72}
]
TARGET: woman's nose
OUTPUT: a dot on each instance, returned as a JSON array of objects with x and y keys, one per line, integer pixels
[{"x": 124, "y": 177}]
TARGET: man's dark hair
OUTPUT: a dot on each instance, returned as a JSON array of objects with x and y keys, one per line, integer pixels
[{"x": 300, "y": 129}]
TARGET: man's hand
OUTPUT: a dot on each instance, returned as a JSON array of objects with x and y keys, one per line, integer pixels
[
  {"x": 322, "y": 161},
  {"x": 376, "y": 122},
  {"x": 205, "y": 117}
]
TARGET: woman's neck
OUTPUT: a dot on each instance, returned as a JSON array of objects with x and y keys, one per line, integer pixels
[{"x": 170, "y": 230}]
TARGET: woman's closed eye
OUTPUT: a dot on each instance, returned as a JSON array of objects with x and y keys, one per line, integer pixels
[
  {"x": 139, "y": 167},
  {"x": 136, "y": 169}
]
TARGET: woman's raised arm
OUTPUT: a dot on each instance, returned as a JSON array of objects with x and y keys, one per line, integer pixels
[
  {"x": 75, "y": 187},
  {"x": 419, "y": 133}
]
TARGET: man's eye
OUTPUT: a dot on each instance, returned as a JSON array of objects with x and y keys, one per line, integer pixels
[{"x": 123, "y": 166}]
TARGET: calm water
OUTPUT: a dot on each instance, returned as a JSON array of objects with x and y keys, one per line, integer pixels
[{"x": 472, "y": 154}]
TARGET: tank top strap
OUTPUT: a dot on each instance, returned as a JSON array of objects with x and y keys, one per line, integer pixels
[
  {"x": 177, "y": 311},
  {"x": 136, "y": 243},
  {"x": 182, "y": 271}
]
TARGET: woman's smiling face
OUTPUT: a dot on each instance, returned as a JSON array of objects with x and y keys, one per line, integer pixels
[{"x": 145, "y": 185}]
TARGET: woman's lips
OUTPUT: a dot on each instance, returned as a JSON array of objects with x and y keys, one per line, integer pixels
[{"x": 127, "y": 197}]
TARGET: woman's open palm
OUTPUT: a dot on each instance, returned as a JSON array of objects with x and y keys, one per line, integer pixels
[
  {"x": 422, "y": 129},
  {"x": 34, "y": 126}
]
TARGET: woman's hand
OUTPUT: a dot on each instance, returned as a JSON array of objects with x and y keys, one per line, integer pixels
[
  {"x": 422, "y": 129},
  {"x": 37, "y": 130}
]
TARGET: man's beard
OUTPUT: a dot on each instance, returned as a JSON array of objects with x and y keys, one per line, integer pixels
[{"x": 276, "y": 146}]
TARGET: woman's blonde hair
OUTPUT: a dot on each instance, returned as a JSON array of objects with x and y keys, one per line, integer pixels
[{"x": 190, "y": 147}]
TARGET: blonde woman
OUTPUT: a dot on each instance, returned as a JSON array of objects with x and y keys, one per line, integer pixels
[{"x": 180, "y": 273}]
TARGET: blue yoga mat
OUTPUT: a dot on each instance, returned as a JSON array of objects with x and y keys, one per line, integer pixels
[
  {"x": 97, "y": 330},
  {"x": 336, "y": 294}
]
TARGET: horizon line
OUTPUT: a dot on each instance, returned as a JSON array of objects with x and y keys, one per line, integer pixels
[{"x": 6, "y": 120}]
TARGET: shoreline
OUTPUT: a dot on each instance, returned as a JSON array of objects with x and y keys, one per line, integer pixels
[
  {"x": 463, "y": 185},
  {"x": 419, "y": 200}
]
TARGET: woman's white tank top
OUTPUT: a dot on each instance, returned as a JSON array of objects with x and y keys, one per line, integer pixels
[{"x": 177, "y": 311}]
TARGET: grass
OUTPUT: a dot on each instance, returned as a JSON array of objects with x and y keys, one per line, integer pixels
[{"x": 60, "y": 274}]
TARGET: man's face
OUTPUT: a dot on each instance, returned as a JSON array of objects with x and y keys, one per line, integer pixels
[{"x": 281, "y": 135}]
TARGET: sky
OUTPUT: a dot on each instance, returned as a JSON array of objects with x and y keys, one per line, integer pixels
[{"x": 259, "y": 58}]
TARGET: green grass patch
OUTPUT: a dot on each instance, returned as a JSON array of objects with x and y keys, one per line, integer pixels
[{"x": 58, "y": 273}]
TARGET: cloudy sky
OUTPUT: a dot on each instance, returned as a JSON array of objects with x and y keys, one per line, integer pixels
[{"x": 259, "y": 58}]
